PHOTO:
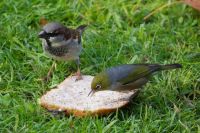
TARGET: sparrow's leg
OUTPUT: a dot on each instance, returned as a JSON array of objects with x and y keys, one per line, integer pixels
[
  {"x": 78, "y": 73},
  {"x": 49, "y": 74}
]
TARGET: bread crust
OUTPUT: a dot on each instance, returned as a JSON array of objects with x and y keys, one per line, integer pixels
[{"x": 61, "y": 98}]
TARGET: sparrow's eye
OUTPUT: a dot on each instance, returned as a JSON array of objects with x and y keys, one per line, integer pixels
[{"x": 98, "y": 87}]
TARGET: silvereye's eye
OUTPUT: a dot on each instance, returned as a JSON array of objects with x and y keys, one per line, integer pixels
[{"x": 98, "y": 87}]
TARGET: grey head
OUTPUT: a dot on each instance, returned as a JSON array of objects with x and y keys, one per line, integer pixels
[
  {"x": 51, "y": 27},
  {"x": 52, "y": 32},
  {"x": 55, "y": 33}
]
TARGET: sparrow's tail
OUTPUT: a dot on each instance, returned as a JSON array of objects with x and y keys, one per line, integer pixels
[
  {"x": 81, "y": 28},
  {"x": 170, "y": 66}
]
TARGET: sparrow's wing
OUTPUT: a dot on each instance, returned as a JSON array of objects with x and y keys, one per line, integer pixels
[
  {"x": 72, "y": 34},
  {"x": 65, "y": 31},
  {"x": 78, "y": 32},
  {"x": 76, "y": 35},
  {"x": 81, "y": 28}
]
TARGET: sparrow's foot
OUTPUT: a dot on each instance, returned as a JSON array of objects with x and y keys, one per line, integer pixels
[
  {"x": 49, "y": 74},
  {"x": 78, "y": 75},
  {"x": 46, "y": 78}
]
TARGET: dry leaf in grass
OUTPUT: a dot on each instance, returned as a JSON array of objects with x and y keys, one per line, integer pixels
[
  {"x": 194, "y": 3},
  {"x": 43, "y": 21}
]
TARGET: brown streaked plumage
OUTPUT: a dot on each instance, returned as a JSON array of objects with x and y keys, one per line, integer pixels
[{"x": 62, "y": 43}]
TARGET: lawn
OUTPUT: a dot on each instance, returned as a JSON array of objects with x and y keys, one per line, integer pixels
[{"x": 117, "y": 34}]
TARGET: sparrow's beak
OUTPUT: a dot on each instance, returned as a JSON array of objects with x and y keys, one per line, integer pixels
[
  {"x": 42, "y": 34},
  {"x": 91, "y": 92}
]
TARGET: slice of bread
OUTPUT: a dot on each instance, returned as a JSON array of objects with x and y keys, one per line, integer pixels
[{"x": 72, "y": 97}]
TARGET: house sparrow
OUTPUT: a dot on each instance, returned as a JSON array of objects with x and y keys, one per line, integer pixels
[
  {"x": 126, "y": 77},
  {"x": 62, "y": 43}
]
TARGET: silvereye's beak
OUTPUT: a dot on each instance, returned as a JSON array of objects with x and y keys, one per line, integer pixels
[{"x": 91, "y": 92}]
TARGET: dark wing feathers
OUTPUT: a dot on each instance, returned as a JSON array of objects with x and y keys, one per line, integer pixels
[
  {"x": 138, "y": 73},
  {"x": 69, "y": 33},
  {"x": 126, "y": 74}
]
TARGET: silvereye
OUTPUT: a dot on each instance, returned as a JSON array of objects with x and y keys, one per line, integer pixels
[{"x": 127, "y": 77}]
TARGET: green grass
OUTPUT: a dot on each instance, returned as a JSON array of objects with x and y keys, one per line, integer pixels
[{"x": 117, "y": 35}]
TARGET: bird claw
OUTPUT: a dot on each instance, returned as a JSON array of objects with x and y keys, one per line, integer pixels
[
  {"x": 45, "y": 79},
  {"x": 49, "y": 74},
  {"x": 78, "y": 75}
]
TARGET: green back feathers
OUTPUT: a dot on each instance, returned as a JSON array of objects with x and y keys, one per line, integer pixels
[
  {"x": 145, "y": 70},
  {"x": 127, "y": 74},
  {"x": 136, "y": 73}
]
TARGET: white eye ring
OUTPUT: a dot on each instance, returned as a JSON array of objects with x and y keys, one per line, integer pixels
[{"x": 98, "y": 86}]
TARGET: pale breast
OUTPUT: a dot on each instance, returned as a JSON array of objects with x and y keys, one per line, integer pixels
[{"x": 63, "y": 51}]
